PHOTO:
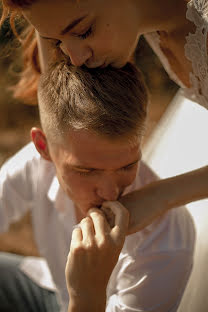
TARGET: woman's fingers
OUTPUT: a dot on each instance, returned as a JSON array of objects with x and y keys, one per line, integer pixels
[{"x": 121, "y": 219}]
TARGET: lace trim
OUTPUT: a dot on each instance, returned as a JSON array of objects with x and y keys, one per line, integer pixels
[{"x": 196, "y": 51}]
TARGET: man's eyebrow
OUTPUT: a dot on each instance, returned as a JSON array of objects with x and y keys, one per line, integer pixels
[
  {"x": 89, "y": 168},
  {"x": 78, "y": 167}
]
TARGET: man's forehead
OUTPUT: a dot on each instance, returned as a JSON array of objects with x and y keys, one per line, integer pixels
[
  {"x": 90, "y": 137},
  {"x": 83, "y": 147},
  {"x": 102, "y": 159}
]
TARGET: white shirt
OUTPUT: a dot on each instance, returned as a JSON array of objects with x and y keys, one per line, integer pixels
[{"x": 154, "y": 264}]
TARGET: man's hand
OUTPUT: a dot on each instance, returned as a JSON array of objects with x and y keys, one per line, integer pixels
[{"x": 94, "y": 252}]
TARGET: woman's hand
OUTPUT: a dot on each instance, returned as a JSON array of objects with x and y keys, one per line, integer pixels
[
  {"x": 144, "y": 206},
  {"x": 94, "y": 252}
]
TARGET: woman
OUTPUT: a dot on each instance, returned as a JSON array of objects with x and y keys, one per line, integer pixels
[{"x": 102, "y": 33}]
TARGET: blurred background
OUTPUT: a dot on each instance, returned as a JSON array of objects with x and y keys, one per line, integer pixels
[{"x": 16, "y": 118}]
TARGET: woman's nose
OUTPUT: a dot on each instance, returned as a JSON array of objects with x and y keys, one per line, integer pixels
[{"x": 79, "y": 53}]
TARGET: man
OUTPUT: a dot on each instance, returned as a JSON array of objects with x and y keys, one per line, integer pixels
[{"x": 89, "y": 155}]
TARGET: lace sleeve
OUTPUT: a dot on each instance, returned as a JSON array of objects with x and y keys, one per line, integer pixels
[{"x": 196, "y": 51}]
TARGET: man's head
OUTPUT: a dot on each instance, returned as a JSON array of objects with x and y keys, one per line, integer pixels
[{"x": 93, "y": 121}]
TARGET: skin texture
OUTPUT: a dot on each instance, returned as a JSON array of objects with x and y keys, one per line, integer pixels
[
  {"x": 96, "y": 241},
  {"x": 104, "y": 35},
  {"x": 98, "y": 40},
  {"x": 95, "y": 244},
  {"x": 91, "y": 169}
]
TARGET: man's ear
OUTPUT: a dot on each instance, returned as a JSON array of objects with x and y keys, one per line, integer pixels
[{"x": 40, "y": 142}]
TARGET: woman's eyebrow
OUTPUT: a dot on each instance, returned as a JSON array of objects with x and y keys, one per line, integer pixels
[
  {"x": 72, "y": 25},
  {"x": 68, "y": 27}
]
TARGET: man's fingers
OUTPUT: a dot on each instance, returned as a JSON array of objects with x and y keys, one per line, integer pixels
[
  {"x": 76, "y": 237},
  {"x": 109, "y": 215},
  {"x": 100, "y": 224},
  {"x": 88, "y": 231},
  {"x": 120, "y": 212},
  {"x": 121, "y": 218}
]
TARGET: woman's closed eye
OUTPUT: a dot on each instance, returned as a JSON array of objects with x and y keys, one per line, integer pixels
[
  {"x": 86, "y": 33},
  {"x": 58, "y": 43},
  {"x": 83, "y": 36}
]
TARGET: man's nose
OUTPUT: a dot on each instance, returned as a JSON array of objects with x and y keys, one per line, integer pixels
[
  {"x": 78, "y": 52},
  {"x": 108, "y": 190}
]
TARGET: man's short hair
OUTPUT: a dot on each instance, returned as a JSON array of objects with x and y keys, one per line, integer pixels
[{"x": 110, "y": 102}]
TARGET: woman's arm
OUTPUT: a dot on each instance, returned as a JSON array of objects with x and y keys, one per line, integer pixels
[{"x": 158, "y": 197}]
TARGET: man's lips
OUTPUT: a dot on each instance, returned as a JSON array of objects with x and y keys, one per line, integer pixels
[{"x": 99, "y": 204}]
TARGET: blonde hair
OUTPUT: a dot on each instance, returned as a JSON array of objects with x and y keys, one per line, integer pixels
[
  {"x": 111, "y": 102},
  {"x": 26, "y": 88}
]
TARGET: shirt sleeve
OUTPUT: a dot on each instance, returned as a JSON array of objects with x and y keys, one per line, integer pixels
[
  {"x": 17, "y": 181},
  {"x": 154, "y": 282}
]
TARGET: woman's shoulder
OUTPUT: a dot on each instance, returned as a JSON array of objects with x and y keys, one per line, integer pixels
[
  {"x": 196, "y": 51},
  {"x": 183, "y": 53}
]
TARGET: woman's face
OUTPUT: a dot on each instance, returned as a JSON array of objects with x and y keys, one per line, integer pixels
[{"x": 96, "y": 33}]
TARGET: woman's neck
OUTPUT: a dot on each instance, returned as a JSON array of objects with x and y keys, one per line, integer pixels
[{"x": 163, "y": 15}]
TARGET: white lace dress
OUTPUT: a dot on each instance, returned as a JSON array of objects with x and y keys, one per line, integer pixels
[{"x": 195, "y": 51}]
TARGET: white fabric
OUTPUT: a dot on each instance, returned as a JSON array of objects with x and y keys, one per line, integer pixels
[
  {"x": 179, "y": 144},
  {"x": 195, "y": 50},
  {"x": 154, "y": 264}
]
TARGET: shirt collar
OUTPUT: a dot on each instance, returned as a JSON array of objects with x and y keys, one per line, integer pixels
[
  {"x": 58, "y": 197},
  {"x": 54, "y": 189}
]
